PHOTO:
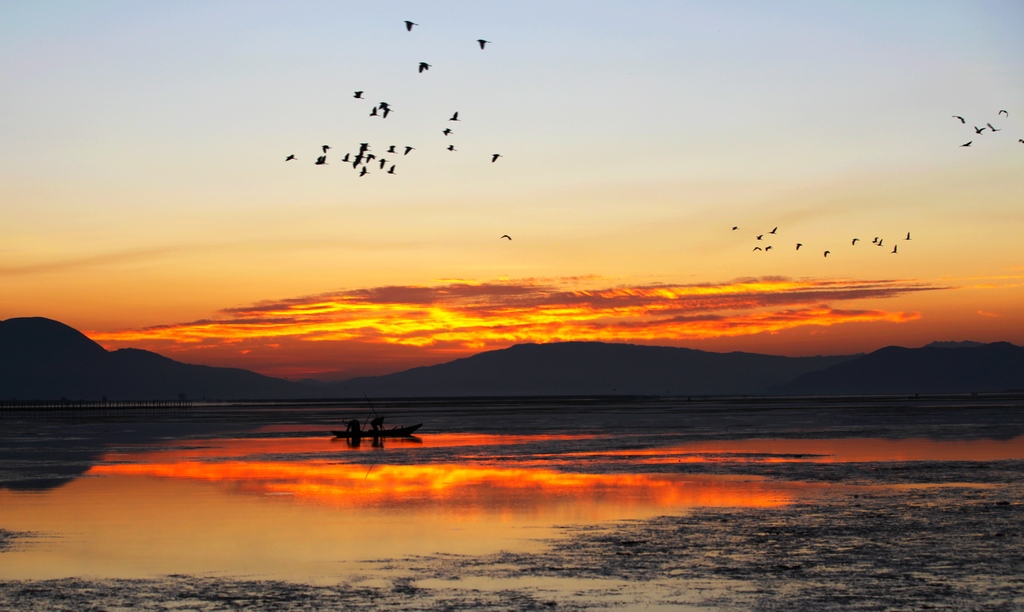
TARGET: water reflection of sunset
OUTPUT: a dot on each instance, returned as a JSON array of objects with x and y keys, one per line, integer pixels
[{"x": 468, "y": 488}]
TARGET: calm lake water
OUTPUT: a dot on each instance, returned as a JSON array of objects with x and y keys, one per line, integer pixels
[{"x": 287, "y": 502}]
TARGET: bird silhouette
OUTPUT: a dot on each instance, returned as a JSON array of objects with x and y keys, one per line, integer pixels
[
  {"x": 424, "y": 66},
  {"x": 827, "y": 252},
  {"x": 391, "y": 149},
  {"x": 495, "y": 157},
  {"x": 992, "y": 128},
  {"x": 407, "y": 149},
  {"x": 757, "y": 248},
  {"x": 289, "y": 158},
  {"x": 960, "y": 118},
  {"x": 894, "y": 251},
  {"x": 455, "y": 117},
  {"x": 383, "y": 105},
  {"x": 908, "y": 236},
  {"x": 451, "y": 147},
  {"x": 875, "y": 241},
  {"x": 447, "y": 132},
  {"x": 798, "y": 245},
  {"x": 391, "y": 170},
  {"x": 359, "y": 94},
  {"x": 768, "y": 248},
  {"x": 759, "y": 236},
  {"x": 880, "y": 241},
  {"x": 364, "y": 171},
  {"x": 408, "y": 26},
  {"x": 325, "y": 147},
  {"x": 364, "y": 147},
  {"x": 383, "y": 162},
  {"x": 978, "y": 130},
  {"x": 773, "y": 230},
  {"x": 358, "y": 160},
  {"x": 967, "y": 144},
  {"x": 854, "y": 242},
  {"x": 387, "y": 111},
  {"x": 320, "y": 161},
  {"x": 1020, "y": 140},
  {"x": 735, "y": 227},
  {"x": 1002, "y": 112},
  {"x": 505, "y": 236},
  {"x": 373, "y": 113},
  {"x": 346, "y": 158},
  {"x": 371, "y": 156},
  {"x": 482, "y": 42}
]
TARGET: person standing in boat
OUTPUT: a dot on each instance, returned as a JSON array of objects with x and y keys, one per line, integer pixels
[{"x": 377, "y": 424}]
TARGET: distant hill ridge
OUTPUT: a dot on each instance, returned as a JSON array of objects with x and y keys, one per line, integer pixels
[{"x": 44, "y": 359}]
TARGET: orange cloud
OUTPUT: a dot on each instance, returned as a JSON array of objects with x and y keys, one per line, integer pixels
[{"x": 464, "y": 316}]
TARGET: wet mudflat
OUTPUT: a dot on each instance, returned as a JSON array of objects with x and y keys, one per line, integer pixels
[{"x": 857, "y": 505}]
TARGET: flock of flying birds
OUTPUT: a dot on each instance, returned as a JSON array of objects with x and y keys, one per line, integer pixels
[
  {"x": 364, "y": 157},
  {"x": 878, "y": 242},
  {"x": 978, "y": 131}
]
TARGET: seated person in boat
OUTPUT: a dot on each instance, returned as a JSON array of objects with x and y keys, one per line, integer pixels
[{"x": 353, "y": 427}]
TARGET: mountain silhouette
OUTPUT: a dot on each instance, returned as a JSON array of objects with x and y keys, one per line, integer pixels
[
  {"x": 592, "y": 368},
  {"x": 44, "y": 359},
  {"x": 932, "y": 369}
]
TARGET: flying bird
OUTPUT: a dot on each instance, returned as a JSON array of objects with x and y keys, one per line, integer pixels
[
  {"x": 408, "y": 26},
  {"x": 1020, "y": 140},
  {"x": 424, "y": 66},
  {"x": 482, "y": 42},
  {"x": 391, "y": 170},
  {"x": 759, "y": 236},
  {"x": 960, "y": 118},
  {"x": 967, "y": 144},
  {"x": 363, "y": 147},
  {"x": 894, "y": 251},
  {"x": 1002, "y": 112},
  {"x": 495, "y": 157},
  {"x": 325, "y": 147},
  {"x": 908, "y": 236},
  {"x": 359, "y": 94},
  {"x": 321, "y": 160},
  {"x": 407, "y": 149},
  {"x": 383, "y": 162},
  {"x": 854, "y": 243},
  {"x": 757, "y": 248},
  {"x": 773, "y": 230},
  {"x": 391, "y": 149},
  {"x": 505, "y": 236},
  {"x": 768, "y": 248},
  {"x": 447, "y": 132},
  {"x": 383, "y": 105},
  {"x": 875, "y": 241},
  {"x": 346, "y": 159},
  {"x": 451, "y": 147},
  {"x": 881, "y": 241},
  {"x": 455, "y": 117},
  {"x": 364, "y": 171},
  {"x": 827, "y": 252},
  {"x": 371, "y": 156},
  {"x": 735, "y": 227},
  {"x": 289, "y": 158},
  {"x": 387, "y": 111},
  {"x": 798, "y": 245},
  {"x": 992, "y": 128},
  {"x": 978, "y": 130},
  {"x": 373, "y": 113}
]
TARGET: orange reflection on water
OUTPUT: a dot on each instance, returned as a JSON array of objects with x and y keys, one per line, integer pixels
[
  {"x": 841, "y": 450},
  {"x": 467, "y": 488}
]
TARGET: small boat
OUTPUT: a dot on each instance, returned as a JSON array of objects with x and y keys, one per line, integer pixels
[{"x": 394, "y": 432}]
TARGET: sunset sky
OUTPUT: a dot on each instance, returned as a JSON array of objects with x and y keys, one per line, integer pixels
[{"x": 146, "y": 200}]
